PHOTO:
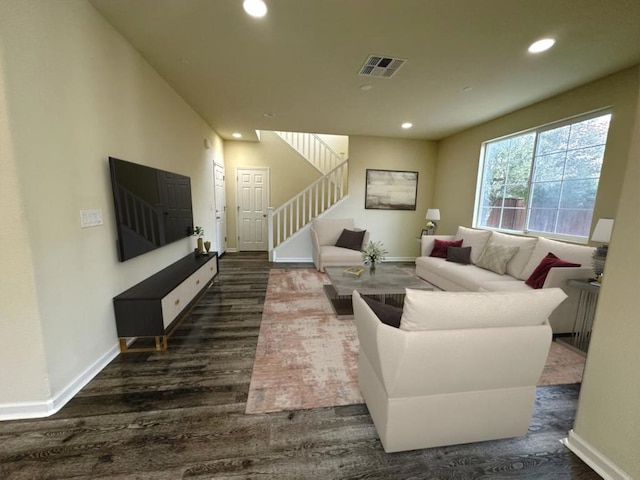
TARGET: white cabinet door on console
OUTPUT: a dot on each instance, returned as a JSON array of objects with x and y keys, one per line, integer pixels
[{"x": 176, "y": 301}]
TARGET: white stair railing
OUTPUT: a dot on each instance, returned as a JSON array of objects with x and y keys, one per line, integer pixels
[
  {"x": 313, "y": 149},
  {"x": 290, "y": 217}
]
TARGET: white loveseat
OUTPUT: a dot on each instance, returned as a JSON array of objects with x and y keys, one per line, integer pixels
[
  {"x": 324, "y": 235},
  {"x": 451, "y": 276},
  {"x": 462, "y": 367}
]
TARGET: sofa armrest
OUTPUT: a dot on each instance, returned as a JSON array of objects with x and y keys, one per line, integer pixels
[
  {"x": 558, "y": 276},
  {"x": 380, "y": 343},
  {"x": 315, "y": 249},
  {"x": 365, "y": 239},
  {"x": 426, "y": 243}
]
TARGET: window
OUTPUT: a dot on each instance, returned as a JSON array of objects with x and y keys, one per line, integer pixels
[{"x": 543, "y": 181}]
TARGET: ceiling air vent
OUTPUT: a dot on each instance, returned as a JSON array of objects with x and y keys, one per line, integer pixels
[{"x": 380, "y": 66}]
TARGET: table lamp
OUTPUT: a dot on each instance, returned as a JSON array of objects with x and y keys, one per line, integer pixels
[
  {"x": 601, "y": 234},
  {"x": 432, "y": 214}
]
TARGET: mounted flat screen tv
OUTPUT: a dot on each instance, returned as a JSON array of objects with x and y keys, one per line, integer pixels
[{"x": 153, "y": 207}]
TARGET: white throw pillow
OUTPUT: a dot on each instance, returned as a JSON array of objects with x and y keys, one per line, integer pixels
[
  {"x": 476, "y": 239},
  {"x": 568, "y": 252},
  {"x": 525, "y": 249},
  {"x": 495, "y": 257},
  {"x": 425, "y": 310}
]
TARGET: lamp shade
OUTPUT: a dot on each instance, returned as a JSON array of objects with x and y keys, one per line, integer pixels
[
  {"x": 433, "y": 214},
  {"x": 602, "y": 232}
]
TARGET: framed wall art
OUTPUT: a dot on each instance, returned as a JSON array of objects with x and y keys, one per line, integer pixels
[{"x": 391, "y": 190}]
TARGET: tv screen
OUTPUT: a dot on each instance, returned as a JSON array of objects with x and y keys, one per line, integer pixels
[{"x": 153, "y": 207}]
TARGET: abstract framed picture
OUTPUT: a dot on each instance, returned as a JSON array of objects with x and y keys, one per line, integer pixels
[{"x": 391, "y": 190}]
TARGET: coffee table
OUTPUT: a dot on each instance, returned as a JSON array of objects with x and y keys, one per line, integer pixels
[{"x": 389, "y": 284}]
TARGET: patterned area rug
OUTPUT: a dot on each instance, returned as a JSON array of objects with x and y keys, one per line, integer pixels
[{"x": 308, "y": 358}]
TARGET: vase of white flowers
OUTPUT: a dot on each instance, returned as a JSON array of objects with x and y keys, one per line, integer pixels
[
  {"x": 199, "y": 232},
  {"x": 373, "y": 253}
]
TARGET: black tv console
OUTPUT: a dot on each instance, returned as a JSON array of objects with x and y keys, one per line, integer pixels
[{"x": 155, "y": 306}]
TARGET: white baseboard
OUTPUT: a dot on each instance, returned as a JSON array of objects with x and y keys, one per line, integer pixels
[
  {"x": 46, "y": 408},
  {"x": 293, "y": 260},
  {"x": 592, "y": 457}
]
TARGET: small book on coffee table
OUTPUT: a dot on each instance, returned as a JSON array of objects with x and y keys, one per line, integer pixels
[{"x": 353, "y": 271}]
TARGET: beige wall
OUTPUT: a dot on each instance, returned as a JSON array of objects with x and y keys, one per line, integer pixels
[
  {"x": 21, "y": 348},
  {"x": 458, "y": 155},
  {"x": 608, "y": 415},
  {"x": 396, "y": 229},
  {"x": 288, "y": 173},
  {"x": 76, "y": 92}
]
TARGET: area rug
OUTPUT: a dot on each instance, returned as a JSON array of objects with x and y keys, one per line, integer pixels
[{"x": 308, "y": 358}]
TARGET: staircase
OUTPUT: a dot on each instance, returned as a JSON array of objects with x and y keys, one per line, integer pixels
[
  {"x": 288, "y": 219},
  {"x": 312, "y": 148}
]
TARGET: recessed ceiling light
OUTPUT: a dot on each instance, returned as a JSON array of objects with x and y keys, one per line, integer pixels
[
  {"x": 270, "y": 115},
  {"x": 467, "y": 89},
  {"x": 407, "y": 125},
  {"x": 255, "y": 8},
  {"x": 236, "y": 135},
  {"x": 541, "y": 45},
  {"x": 366, "y": 87}
]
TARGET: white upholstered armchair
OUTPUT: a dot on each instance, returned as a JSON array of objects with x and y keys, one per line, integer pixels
[
  {"x": 324, "y": 235},
  {"x": 466, "y": 371}
]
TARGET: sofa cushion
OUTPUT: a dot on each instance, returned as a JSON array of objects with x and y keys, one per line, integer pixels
[
  {"x": 567, "y": 251},
  {"x": 517, "y": 286},
  {"x": 476, "y": 239},
  {"x": 351, "y": 239},
  {"x": 440, "y": 247},
  {"x": 459, "y": 255},
  {"x": 329, "y": 229},
  {"x": 525, "y": 249},
  {"x": 332, "y": 255},
  {"x": 388, "y": 314},
  {"x": 495, "y": 257},
  {"x": 539, "y": 275},
  {"x": 425, "y": 310},
  {"x": 468, "y": 277}
]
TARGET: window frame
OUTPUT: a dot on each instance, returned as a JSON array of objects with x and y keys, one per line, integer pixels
[{"x": 477, "y": 208}]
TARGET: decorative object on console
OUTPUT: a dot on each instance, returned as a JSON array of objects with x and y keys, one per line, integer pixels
[
  {"x": 601, "y": 234},
  {"x": 373, "y": 253},
  {"x": 207, "y": 246},
  {"x": 199, "y": 231},
  {"x": 432, "y": 214}
]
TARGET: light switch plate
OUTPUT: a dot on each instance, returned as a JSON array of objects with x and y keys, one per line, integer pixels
[{"x": 90, "y": 218}]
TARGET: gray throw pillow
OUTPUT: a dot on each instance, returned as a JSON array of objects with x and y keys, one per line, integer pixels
[
  {"x": 388, "y": 314},
  {"x": 351, "y": 239},
  {"x": 459, "y": 255}
]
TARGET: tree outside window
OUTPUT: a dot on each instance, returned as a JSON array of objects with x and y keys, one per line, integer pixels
[{"x": 545, "y": 180}]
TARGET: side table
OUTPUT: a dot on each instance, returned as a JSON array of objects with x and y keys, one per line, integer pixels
[{"x": 586, "y": 311}]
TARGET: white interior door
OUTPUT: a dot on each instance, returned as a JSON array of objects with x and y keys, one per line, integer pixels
[
  {"x": 221, "y": 208},
  {"x": 253, "y": 202}
]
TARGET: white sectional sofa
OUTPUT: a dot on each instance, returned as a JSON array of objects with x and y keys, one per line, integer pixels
[
  {"x": 457, "y": 277},
  {"x": 461, "y": 367}
]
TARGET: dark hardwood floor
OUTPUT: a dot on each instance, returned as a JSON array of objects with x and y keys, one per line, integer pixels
[{"x": 180, "y": 414}]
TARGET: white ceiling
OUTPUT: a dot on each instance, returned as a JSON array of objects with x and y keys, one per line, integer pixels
[{"x": 301, "y": 61}]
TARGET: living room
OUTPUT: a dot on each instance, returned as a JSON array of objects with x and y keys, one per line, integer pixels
[{"x": 75, "y": 92}]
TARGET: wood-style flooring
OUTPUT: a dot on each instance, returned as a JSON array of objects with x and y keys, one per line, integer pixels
[{"x": 180, "y": 414}]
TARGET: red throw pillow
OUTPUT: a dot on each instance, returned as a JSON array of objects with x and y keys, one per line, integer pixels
[
  {"x": 440, "y": 247},
  {"x": 539, "y": 275}
]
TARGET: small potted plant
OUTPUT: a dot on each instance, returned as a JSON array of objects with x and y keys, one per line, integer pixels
[
  {"x": 199, "y": 231},
  {"x": 373, "y": 253}
]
